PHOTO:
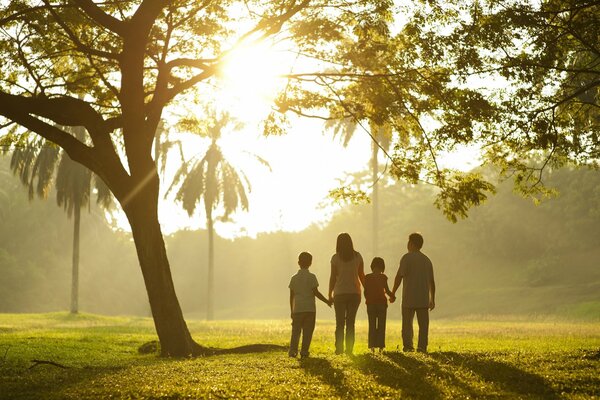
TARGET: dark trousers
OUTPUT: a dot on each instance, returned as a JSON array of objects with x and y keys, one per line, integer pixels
[
  {"x": 302, "y": 322},
  {"x": 377, "y": 316},
  {"x": 408, "y": 315},
  {"x": 346, "y": 306}
]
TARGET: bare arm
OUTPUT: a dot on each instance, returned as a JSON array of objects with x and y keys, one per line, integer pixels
[
  {"x": 387, "y": 289},
  {"x": 321, "y": 297},
  {"x": 291, "y": 301},
  {"x": 432, "y": 293},
  {"x": 397, "y": 283},
  {"x": 332, "y": 279},
  {"x": 361, "y": 273}
]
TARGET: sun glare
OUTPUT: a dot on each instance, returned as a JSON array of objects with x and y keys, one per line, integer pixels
[{"x": 251, "y": 78}]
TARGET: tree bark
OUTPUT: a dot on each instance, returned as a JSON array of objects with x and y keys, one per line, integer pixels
[
  {"x": 75, "y": 265},
  {"x": 211, "y": 269},
  {"x": 173, "y": 334}
]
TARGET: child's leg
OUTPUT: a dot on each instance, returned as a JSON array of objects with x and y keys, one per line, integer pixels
[
  {"x": 381, "y": 325},
  {"x": 372, "y": 314},
  {"x": 296, "y": 328},
  {"x": 308, "y": 327}
]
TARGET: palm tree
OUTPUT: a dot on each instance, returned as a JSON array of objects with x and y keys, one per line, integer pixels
[
  {"x": 36, "y": 163},
  {"x": 211, "y": 177}
]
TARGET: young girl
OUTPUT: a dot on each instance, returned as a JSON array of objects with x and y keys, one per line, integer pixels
[{"x": 376, "y": 287}]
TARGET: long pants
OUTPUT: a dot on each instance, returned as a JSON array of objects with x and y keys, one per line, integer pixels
[
  {"x": 408, "y": 315},
  {"x": 346, "y": 306},
  {"x": 302, "y": 322},
  {"x": 377, "y": 316}
]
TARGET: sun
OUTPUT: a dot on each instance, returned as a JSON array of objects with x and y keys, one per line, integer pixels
[{"x": 251, "y": 76}]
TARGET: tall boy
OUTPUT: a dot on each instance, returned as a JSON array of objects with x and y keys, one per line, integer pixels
[
  {"x": 303, "y": 289},
  {"x": 418, "y": 292}
]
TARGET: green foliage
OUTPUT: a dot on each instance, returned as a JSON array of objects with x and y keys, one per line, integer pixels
[
  {"x": 473, "y": 358},
  {"x": 460, "y": 192},
  {"x": 347, "y": 194}
]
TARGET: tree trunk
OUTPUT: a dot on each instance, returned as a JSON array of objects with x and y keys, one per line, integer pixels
[
  {"x": 375, "y": 195},
  {"x": 211, "y": 269},
  {"x": 75, "y": 269},
  {"x": 173, "y": 334}
]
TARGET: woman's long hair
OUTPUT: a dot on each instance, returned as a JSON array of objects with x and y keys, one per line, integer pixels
[{"x": 344, "y": 247}]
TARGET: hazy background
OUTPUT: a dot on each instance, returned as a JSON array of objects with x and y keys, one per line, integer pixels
[{"x": 509, "y": 257}]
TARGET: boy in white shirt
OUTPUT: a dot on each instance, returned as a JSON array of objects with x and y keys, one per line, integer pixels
[{"x": 303, "y": 289}]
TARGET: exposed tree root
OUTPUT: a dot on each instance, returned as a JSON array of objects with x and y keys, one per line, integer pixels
[{"x": 203, "y": 351}]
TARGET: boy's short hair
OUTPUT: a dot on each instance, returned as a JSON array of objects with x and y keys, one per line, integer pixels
[
  {"x": 305, "y": 259},
  {"x": 416, "y": 239},
  {"x": 378, "y": 263}
]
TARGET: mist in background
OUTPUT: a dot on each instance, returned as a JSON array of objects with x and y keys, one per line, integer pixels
[{"x": 509, "y": 257}]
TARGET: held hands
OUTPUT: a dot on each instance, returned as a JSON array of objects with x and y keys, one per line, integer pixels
[
  {"x": 392, "y": 298},
  {"x": 431, "y": 304}
]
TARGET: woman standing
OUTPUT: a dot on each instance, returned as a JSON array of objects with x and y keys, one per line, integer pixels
[{"x": 347, "y": 275}]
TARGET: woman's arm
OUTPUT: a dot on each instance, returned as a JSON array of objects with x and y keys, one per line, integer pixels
[
  {"x": 361, "y": 272},
  {"x": 332, "y": 279}
]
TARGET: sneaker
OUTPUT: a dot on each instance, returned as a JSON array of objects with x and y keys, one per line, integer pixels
[
  {"x": 408, "y": 349},
  {"x": 293, "y": 355},
  {"x": 338, "y": 352},
  {"x": 422, "y": 351}
]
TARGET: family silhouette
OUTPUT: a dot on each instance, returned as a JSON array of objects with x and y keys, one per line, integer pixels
[{"x": 347, "y": 278}]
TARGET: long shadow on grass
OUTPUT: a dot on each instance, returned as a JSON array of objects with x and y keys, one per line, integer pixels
[
  {"x": 399, "y": 372},
  {"x": 328, "y": 374},
  {"x": 506, "y": 376}
]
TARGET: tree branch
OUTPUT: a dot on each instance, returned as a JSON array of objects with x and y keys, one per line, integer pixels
[
  {"x": 99, "y": 16},
  {"x": 78, "y": 43}
]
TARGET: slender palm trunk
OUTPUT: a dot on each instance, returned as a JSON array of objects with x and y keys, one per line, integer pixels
[
  {"x": 375, "y": 198},
  {"x": 75, "y": 267},
  {"x": 211, "y": 269}
]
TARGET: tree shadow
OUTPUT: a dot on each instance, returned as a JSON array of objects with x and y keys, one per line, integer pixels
[
  {"x": 328, "y": 374},
  {"x": 506, "y": 376},
  {"x": 400, "y": 372}
]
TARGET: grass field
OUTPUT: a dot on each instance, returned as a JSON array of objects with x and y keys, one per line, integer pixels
[{"x": 476, "y": 358}]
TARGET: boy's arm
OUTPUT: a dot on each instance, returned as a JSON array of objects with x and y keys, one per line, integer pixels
[
  {"x": 291, "y": 302},
  {"x": 321, "y": 297}
]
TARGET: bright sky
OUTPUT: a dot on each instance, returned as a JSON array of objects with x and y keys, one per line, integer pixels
[{"x": 305, "y": 164}]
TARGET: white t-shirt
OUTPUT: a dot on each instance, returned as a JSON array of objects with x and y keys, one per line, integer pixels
[
  {"x": 347, "y": 280},
  {"x": 303, "y": 284}
]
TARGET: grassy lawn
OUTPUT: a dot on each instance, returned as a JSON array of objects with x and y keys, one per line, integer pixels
[{"x": 507, "y": 358}]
